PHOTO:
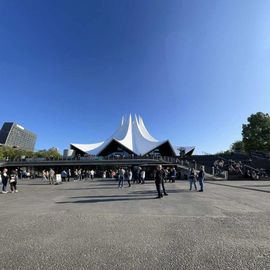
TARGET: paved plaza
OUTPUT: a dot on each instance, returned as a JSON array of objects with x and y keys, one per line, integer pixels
[{"x": 94, "y": 225}]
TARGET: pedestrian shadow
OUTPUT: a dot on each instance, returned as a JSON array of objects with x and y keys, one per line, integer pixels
[
  {"x": 109, "y": 196},
  {"x": 106, "y": 199},
  {"x": 33, "y": 184},
  {"x": 169, "y": 191},
  {"x": 90, "y": 188}
]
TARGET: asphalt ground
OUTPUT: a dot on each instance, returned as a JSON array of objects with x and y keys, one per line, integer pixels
[{"x": 95, "y": 225}]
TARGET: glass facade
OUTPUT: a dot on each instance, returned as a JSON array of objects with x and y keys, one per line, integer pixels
[{"x": 15, "y": 135}]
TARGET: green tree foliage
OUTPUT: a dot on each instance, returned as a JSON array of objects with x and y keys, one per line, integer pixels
[
  {"x": 256, "y": 134},
  {"x": 53, "y": 152},
  {"x": 15, "y": 153},
  {"x": 238, "y": 146}
]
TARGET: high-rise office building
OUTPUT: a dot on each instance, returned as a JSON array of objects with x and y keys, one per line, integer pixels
[{"x": 15, "y": 135}]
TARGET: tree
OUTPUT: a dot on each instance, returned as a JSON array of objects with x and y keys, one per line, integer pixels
[
  {"x": 238, "y": 146},
  {"x": 53, "y": 152},
  {"x": 256, "y": 134}
]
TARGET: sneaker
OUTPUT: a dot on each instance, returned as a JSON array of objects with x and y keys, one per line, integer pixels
[
  {"x": 165, "y": 194},
  {"x": 12, "y": 191},
  {"x": 4, "y": 192},
  {"x": 16, "y": 190}
]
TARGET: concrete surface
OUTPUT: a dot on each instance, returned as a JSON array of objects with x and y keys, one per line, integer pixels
[{"x": 94, "y": 225}]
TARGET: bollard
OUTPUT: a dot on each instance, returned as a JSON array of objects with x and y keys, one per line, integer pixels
[
  {"x": 226, "y": 175},
  {"x": 213, "y": 170}
]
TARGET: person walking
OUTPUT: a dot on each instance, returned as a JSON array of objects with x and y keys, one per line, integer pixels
[
  {"x": 51, "y": 176},
  {"x": 5, "y": 178},
  {"x": 192, "y": 179},
  {"x": 201, "y": 177},
  {"x": 44, "y": 175}
]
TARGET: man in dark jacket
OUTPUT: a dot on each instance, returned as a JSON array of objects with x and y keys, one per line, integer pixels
[
  {"x": 201, "y": 176},
  {"x": 159, "y": 180}
]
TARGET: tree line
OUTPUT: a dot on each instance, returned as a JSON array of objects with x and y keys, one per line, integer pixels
[{"x": 15, "y": 153}]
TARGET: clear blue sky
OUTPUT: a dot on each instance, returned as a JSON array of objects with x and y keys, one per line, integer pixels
[{"x": 194, "y": 70}]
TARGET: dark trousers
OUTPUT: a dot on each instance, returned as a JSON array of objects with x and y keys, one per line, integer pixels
[
  {"x": 163, "y": 187},
  {"x": 201, "y": 180},
  {"x": 4, "y": 183},
  {"x": 13, "y": 186},
  {"x": 158, "y": 188},
  {"x": 128, "y": 182}
]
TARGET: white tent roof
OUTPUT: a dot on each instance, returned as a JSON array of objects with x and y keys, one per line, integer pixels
[{"x": 132, "y": 134}]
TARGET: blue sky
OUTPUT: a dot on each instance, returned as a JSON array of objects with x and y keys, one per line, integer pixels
[{"x": 194, "y": 70}]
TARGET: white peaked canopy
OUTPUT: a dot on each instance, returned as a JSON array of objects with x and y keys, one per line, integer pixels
[{"x": 131, "y": 136}]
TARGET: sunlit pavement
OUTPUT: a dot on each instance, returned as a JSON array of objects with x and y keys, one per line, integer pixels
[{"x": 95, "y": 225}]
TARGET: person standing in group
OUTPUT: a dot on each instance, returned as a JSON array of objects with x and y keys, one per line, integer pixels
[
  {"x": 68, "y": 174},
  {"x": 13, "y": 181},
  {"x": 80, "y": 174},
  {"x": 127, "y": 177},
  {"x": 51, "y": 176},
  {"x": 201, "y": 177},
  {"x": 64, "y": 175},
  {"x": 192, "y": 179},
  {"x": 44, "y": 175},
  {"x": 159, "y": 178},
  {"x": 121, "y": 175},
  {"x": 92, "y": 174},
  {"x": 162, "y": 181},
  {"x": 173, "y": 175},
  {"x": 5, "y": 178},
  {"x": 142, "y": 176},
  {"x": 75, "y": 175}
]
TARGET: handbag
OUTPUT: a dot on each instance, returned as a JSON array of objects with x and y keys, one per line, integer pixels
[{"x": 12, "y": 179}]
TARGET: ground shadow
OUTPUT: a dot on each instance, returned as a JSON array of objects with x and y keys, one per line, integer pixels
[
  {"x": 107, "y": 199},
  {"x": 241, "y": 187},
  {"x": 169, "y": 191},
  {"x": 109, "y": 196},
  {"x": 256, "y": 185},
  {"x": 91, "y": 188}
]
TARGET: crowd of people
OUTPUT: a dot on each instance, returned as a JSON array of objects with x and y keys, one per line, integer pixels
[
  {"x": 196, "y": 177},
  {"x": 67, "y": 174},
  {"x": 239, "y": 168},
  {"x": 130, "y": 175}
]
